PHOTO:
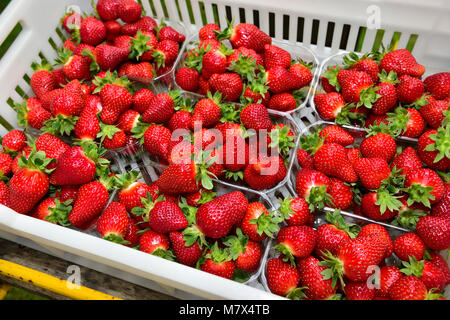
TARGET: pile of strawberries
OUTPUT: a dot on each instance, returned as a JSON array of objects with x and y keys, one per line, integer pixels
[
  {"x": 94, "y": 93},
  {"x": 384, "y": 87},
  {"x": 253, "y": 69},
  {"x": 341, "y": 260}
]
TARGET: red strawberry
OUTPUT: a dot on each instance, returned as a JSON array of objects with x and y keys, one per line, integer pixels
[
  {"x": 131, "y": 191},
  {"x": 276, "y": 56},
  {"x": 67, "y": 193},
  {"x": 145, "y": 24},
  {"x": 331, "y": 159},
  {"x": 187, "y": 255},
  {"x": 4, "y": 194},
  {"x": 258, "y": 223},
  {"x": 71, "y": 21},
  {"x": 230, "y": 85},
  {"x": 113, "y": 223},
  {"x": 282, "y": 278},
  {"x": 380, "y": 145},
  {"x": 409, "y": 89},
  {"x": 30, "y": 184},
  {"x": 382, "y": 234},
  {"x": 363, "y": 64},
  {"x": 425, "y": 186},
  {"x": 280, "y": 80},
  {"x": 42, "y": 81},
  {"x": 180, "y": 120},
  {"x": 305, "y": 159},
  {"x": 245, "y": 35},
  {"x": 442, "y": 208},
  {"x": 187, "y": 79},
  {"x": 88, "y": 125},
  {"x": 14, "y": 141},
  {"x": 388, "y": 98},
  {"x": 341, "y": 194},
  {"x": 92, "y": 31},
  {"x": 207, "y": 111},
  {"x": 438, "y": 85},
  {"x": 282, "y": 102},
  {"x": 108, "y": 9},
  {"x": 255, "y": 116},
  {"x": 376, "y": 208},
  {"x": 372, "y": 171},
  {"x": 208, "y": 31},
  {"x": 312, "y": 185},
  {"x": 250, "y": 257},
  {"x": 440, "y": 262},
  {"x": 302, "y": 74},
  {"x": 264, "y": 173},
  {"x": 408, "y": 288},
  {"x": 169, "y": 33},
  {"x": 336, "y": 134},
  {"x": 401, "y": 61},
  {"x": 54, "y": 211},
  {"x": 409, "y": 245},
  {"x": 5, "y": 164},
  {"x": 295, "y": 211},
  {"x": 167, "y": 217},
  {"x": 407, "y": 122},
  {"x": 161, "y": 107},
  {"x": 434, "y": 231},
  {"x": 141, "y": 100},
  {"x": 432, "y": 149},
  {"x": 433, "y": 113},
  {"x": 218, "y": 263},
  {"x": 358, "y": 291},
  {"x": 353, "y": 154},
  {"x": 156, "y": 244},
  {"x": 329, "y": 105},
  {"x": 406, "y": 161},
  {"x": 357, "y": 87},
  {"x": 296, "y": 242},
  {"x": 53, "y": 147},
  {"x": 431, "y": 275},
  {"x": 109, "y": 57},
  {"x": 388, "y": 275},
  {"x": 129, "y": 11},
  {"x": 166, "y": 52}
]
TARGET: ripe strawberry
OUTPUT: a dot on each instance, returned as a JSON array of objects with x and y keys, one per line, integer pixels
[
  {"x": 180, "y": 120},
  {"x": 207, "y": 111},
  {"x": 295, "y": 210},
  {"x": 30, "y": 184},
  {"x": 376, "y": 208},
  {"x": 168, "y": 33},
  {"x": 280, "y": 80},
  {"x": 425, "y": 186},
  {"x": 230, "y": 85},
  {"x": 68, "y": 192},
  {"x": 255, "y": 116},
  {"x": 217, "y": 262},
  {"x": 264, "y": 173},
  {"x": 409, "y": 245},
  {"x": 113, "y": 223},
  {"x": 88, "y": 125},
  {"x": 214, "y": 61},
  {"x": 30, "y": 113},
  {"x": 331, "y": 159},
  {"x": 329, "y": 105},
  {"x": 282, "y": 278},
  {"x": 5, "y": 164},
  {"x": 4, "y": 194},
  {"x": 336, "y": 134},
  {"x": 71, "y": 21},
  {"x": 442, "y": 208},
  {"x": 358, "y": 291},
  {"x": 363, "y": 64},
  {"x": 431, "y": 275},
  {"x": 432, "y": 149},
  {"x": 161, "y": 107},
  {"x": 15, "y": 164},
  {"x": 250, "y": 257},
  {"x": 53, "y": 147},
  {"x": 409, "y": 89},
  {"x": 406, "y": 161},
  {"x": 112, "y": 138},
  {"x": 129, "y": 11},
  {"x": 42, "y": 81},
  {"x": 166, "y": 52},
  {"x": 145, "y": 24},
  {"x": 341, "y": 194},
  {"x": 245, "y": 35},
  {"x": 275, "y": 56},
  {"x": 353, "y": 154},
  {"x": 187, "y": 79},
  {"x": 208, "y": 31},
  {"x": 107, "y": 57},
  {"x": 402, "y": 62},
  {"x": 166, "y": 217},
  {"x": 388, "y": 97},
  {"x": 407, "y": 122},
  {"x": 108, "y": 9},
  {"x": 440, "y": 262},
  {"x": 296, "y": 242},
  {"x": 372, "y": 171},
  {"x": 302, "y": 74},
  {"x": 258, "y": 223},
  {"x": 357, "y": 87},
  {"x": 53, "y": 211},
  {"x": 438, "y": 85},
  {"x": 130, "y": 190},
  {"x": 388, "y": 275},
  {"x": 14, "y": 141},
  {"x": 305, "y": 159},
  {"x": 433, "y": 113},
  {"x": 434, "y": 231},
  {"x": 187, "y": 255},
  {"x": 382, "y": 235},
  {"x": 259, "y": 93},
  {"x": 380, "y": 145},
  {"x": 142, "y": 46},
  {"x": 282, "y": 102},
  {"x": 142, "y": 72},
  {"x": 408, "y": 288},
  {"x": 353, "y": 259},
  {"x": 313, "y": 186},
  {"x": 141, "y": 100},
  {"x": 92, "y": 31},
  {"x": 156, "y": 244}
]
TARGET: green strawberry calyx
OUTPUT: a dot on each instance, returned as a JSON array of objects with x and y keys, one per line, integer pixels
[
  {"x": 147, "y": 206},
  {"x": 282, "y": 139},
  {"x": 245, "y": 66},
  {"x": 268, "y": 223},
  {"x": 331, "y": 74},
  {"x": 368, "y": 96},
  {"x": 413, "y": 267},
  {"x": 419, "y": 193},
  {"x": 226, "y": 33},
  {"x": 203, "y": 160},
  {"x": 335, "y": 269},
  {"x": 125, "y": 180},
  {"x": 408, "y": 218},
  {"x": 116, "y": 239},
  {"x": 188, "y": 211},
  {"x": 139, "y": 45},
  {"x": 59, "y": 214},
  {"x": 165, "y": 254},
  {"x": 60, "y": 125},
  {"x": 441, "y": 143},
  {"x": 287, "y": 252},
  {"x": 336, "y": 219},
  {"x": 193, "y": 234},
  {"x": 236, "y": 244},
  {"x": 37, "y": 160}
]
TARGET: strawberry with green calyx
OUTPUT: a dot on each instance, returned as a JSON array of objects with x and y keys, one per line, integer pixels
[
  {"x": 302, "y": 73},
  {"x": 423, "y": 185},
  {"x": 146, "y": 206},
  {"x": 30, "y": 184},
  {"x": 295, "y": 211},
  {"x": 194, "y": 60},
  {"x": 166, "y": 217},
  {"x": 75, "y": 67},
  {"x": 329, "y": 79},
  {"x": 165, "y": 53},
  {"x": 113, "y": 223},
  {"x": 13, "y": 142},
  {"x": 165, "y": 32},
  {"x": 387, "y": 93},
  {"x": 409, "y": 215},
  {"x": 162, "y": 107},
  {"x": 379, "y": 143},
  {"x": 156, "y": 139},
  {"x": 434, "y": 231},
  {"x": 296, "y": 242},
  {"x": 187, "y": 255},
  {"x": 282, "y": 138},
  {"x": 245, "y": 253},
  {"x": 142, "y": 46},
  {"x": 364, "y": 63},
  {"x": 201, "y": 197},
  {"x": 188, "y": 210},
  {"x": 313, "y": 186},
  {"x": 130, "y": 189},
  {"x": 433, "y": 148},
  {"x": 111, "y": 137},
  {"x": 218, "y": 262},
  {"x": 31, "y": 113},
  {"x": 245, "y": 66},
  {"x": 283, "y": 279},
  {"x": 156, "y": 244},
  {"x": 431, "y": 275},
  {"x": 400, "y": 61},
  {"x": 42, "y": 81},
  {"x": 235, "y": 244},
  {"x": 336, "y": 219},
  {"x": 258, "y": 223},
  {"x": 406, "y": 122},
  {"x": 54, "y": 211},
  {"x": 215, "y": 61}
]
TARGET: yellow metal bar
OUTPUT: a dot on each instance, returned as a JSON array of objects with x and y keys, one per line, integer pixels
[
  {"x": 4, "y": 289},
  {"x": 50, "y": 283}
]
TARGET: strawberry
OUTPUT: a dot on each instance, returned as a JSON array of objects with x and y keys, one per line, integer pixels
[
  {"x": 168, "y": 33},
  {"x": 114, "y": 96},
  {"x": 230, "y": 85},
  {"x": 378, "y": 145},
  {"x": 358, "y": 291},
  {"x": 439, "y": 261},
  {"x": 382, "y": 234},
  {"x": 60, "y": 78},
  {"x": 357, "y": 87},
  {"x": 259, "y": 93},
  {"x": 14, "y": 141},
  {"x": 76, "y": 166},
  {"x": 364, "y": 63},
  {"x": 112, "y": 137},
  {"x": 302, "y": 74},
  {"x": 129, "y": 11},
  {"x": 113, "y": 223},
  {"x": 336, "y": 134},
  {"x": 276, "y": 56},
  {"x": 432, "y": 148},
  {"x": 407, "y": 122},
  {"x": 167, "y": 217},
  {"x": 441, "y": 209},
  {"x": 305, "y": 159},
  {"x": 282, "y": 278},
  {"x": 312, "y": 279},
  {"x": 409, "y": 89},
  {"x": 409, "y": 245},
  {"x": 245, "y": 62},
  {"x": 402, "y": 62},
  {"x": 53, "y": 147},
  {"x": 408, "y": 288},
  {"x": 141, "y": 100},
  {"x": 353, "y": 154},
  {"x": 142, "y": 72},
  {"x": 145, "y": 24},
  {"x": 296, "y": 242},
  {"x": 214, "y": 61},
  {"x": 282, "y": 102},
  {"x": 91, "y": 200},
  {"x": 187, "y": 255},
  {"x": 207, "y": 111},
  {"x": 433, "y": 113},
  {"x": 30, "y": 184},
  {"x": 4, "y": 194},
  {"x": 258, "y": 223},
  {"x": 5, "y": 164},
  {"x": 161, "y": 107},
  {"x": 331, "y": 159},
  {"x": 295, "y": 210},
  {"x": 68, "y": 192},
  {"x": 329, "y": 105},
  {"x": 245, "y": 35},
  {"x": 71, "y": 21},
  {"x": 438, "y": 85},
  {"x": 107, "y": 57},
  {"x": 88, "y": 125},
  {"x": 108, "y": 9},
  {"x": 341, "y": 194},
  {"x": 217, "y": 262},
  {"x": 42, "y": 81},
  {"x": 156, "y": 139},
  {"x": 180, "y": 120},
  {"x": 388, "y": 94},
  {"x": 434, "y": 231},
  {"x": 187, "y": 79},
  {"x": 280, "y": 80},
  {"x": 130, "y": 190},
  {"x": 255, "y": 116},
  {"x": 208, "y": 31},
  {"x": 431, "y": 275},
  {"x": 15, "y": 164},
  {"x": 245, "y": 253},
  {"x": 142, "y": 46},
  {"x": 264, "y": 173},
  {"x": 54, "y": 211},
  {"x": 156, "y": 244},
  {"x": 313, "y": 186},
  {"x": 372, "y": 171},
  {"x": 406, "y": 161},
  {"x": 353, "y": 259},
  {"x": 425, "y": 186},
  {"x": 388, "y": 275},
  {"x": 378, "y": 208},
  {"x": 92, "y": 31},
  {"x": 166, "y": 52}
]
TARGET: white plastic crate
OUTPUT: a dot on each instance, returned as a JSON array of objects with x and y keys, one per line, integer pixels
[{"x": 326, "y": 27}]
